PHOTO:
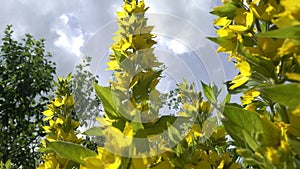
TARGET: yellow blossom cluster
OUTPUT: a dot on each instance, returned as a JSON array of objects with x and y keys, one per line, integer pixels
[{"x": 60, "y": 125}]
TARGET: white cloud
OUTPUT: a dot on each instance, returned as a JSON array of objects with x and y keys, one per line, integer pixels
[
  {"x": 177, "y": 47},
  {"x": 68, "y": 25}
]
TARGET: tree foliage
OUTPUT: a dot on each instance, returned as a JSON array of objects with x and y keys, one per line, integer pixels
[
  {"x": 87, "y": 105},
  {"x": 25, "y": 79}
]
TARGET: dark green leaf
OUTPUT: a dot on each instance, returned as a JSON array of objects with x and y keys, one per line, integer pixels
[
  {"x": 295, "y": 145},
  {"x": 161, "y": 125}
]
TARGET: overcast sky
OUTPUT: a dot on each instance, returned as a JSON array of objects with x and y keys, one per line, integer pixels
[{"x": 76, "y": 28}]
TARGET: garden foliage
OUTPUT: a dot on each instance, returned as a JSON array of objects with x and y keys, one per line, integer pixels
[{"x": 261, "y": 38}]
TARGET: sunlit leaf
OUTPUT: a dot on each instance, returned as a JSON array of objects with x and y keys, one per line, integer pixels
[
  {"x": 209, "y": 93},
  {"x": 238, "y": 121},
  {"x": 292, "y": 32},
  {"x": 94, "y": 131},
  {"x": 70, "y": 151},
  {"x": 228, "y": 10},
  {"x": 105, "y": 95},
  {"x": 285, "y": 94}
]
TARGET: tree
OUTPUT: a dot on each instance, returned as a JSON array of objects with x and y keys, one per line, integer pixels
[
  {"x": 26, "y": 76},
  {"x": 87, "y": 106}
]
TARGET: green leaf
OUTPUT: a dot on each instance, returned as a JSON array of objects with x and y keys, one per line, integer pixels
[
  {"x": 292, "y": 32},
  {"x": 8, "y": 164},
  {"x": 242, "y": 124},
  {"x": 70, "y": 151},
  {"x": 295, "y": 145},
  {"x": 142, "y": 144},
  {"x": 94, "y": 131},
  {"x": 209, "y": 93},
  {"x": 105, "y": 95},
  {"x": 161, "y": 125},
  {"x": 262, "y": 69},
  {"x": 119, "y": 56},
  {"x": 250, "y": 140},
  {"x": 271, "y": 133},
  {"x": 173, "y": 133},
  {"x": 228, "y": 10},
  {"x": 235, "y": 132},
  {"x": 285, "y": 94},
  {"x": 141, "y": 83},
  {"x": 241, "y": 89}
]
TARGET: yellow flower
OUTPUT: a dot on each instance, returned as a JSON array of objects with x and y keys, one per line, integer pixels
[
  {"x": 243, "y": 77},
  {"x": 68, "y": 101},
  {"x": 249, "y": 96},
  {"x": 272, "y": 155},
  {"x": 264, "y": 11},
  {"x": 205, "y": 106},
  {"x": 58, "y": 102},
  {"x": 222, "y": 21},
  {"x": 289, "y": 46},
  {"x": 104, "y": 159},
  {"x": 284, "y": 145},
  {"x": 47, "y": 129},
  {"x": 49, "y": 114},
  {"x": 244, "y": 23}
]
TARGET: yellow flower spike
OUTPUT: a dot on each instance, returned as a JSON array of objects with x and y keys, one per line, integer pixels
[
  {"x": 128, "y": 8},
  {"x": 122, "y": 14},
  {"x": 228, "y": 40}
]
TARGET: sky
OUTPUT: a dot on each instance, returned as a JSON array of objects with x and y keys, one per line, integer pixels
[{"x": 77, "y": 28}]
